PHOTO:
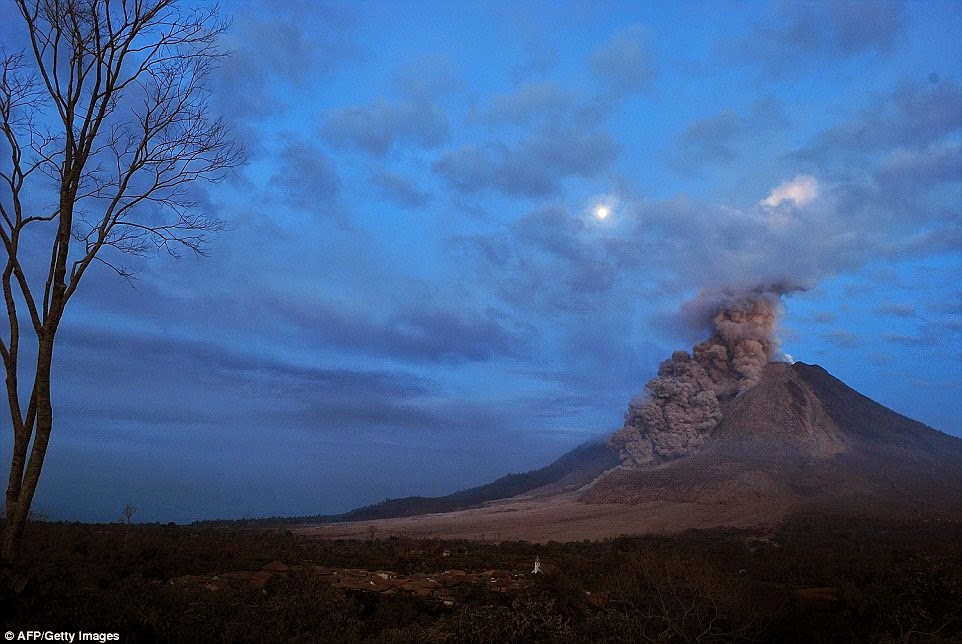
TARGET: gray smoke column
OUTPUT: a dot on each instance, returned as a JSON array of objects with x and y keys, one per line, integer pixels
[{"x": 682, "y": 405}]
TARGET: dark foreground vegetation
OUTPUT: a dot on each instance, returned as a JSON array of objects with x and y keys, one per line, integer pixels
[{"x": 816, "y": 579}]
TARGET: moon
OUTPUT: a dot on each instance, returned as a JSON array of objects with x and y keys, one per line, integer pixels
[{"x": 601, "y": 212}]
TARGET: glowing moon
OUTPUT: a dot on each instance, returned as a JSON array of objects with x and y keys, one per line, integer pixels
[{"x": 601, "y": 212}]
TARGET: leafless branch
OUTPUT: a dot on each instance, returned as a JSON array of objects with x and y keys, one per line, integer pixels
[{"x": 106, "y": 114}]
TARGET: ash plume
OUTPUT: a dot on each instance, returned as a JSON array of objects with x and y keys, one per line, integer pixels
[{"x": 676, "y": 413}]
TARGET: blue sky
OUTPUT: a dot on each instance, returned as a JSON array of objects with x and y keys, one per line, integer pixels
[{"x": 414, "y": 293}]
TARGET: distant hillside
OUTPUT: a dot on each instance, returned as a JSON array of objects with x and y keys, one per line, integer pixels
[{"x": 573, "y": 470}]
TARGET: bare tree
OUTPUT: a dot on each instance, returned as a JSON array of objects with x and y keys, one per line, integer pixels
[
  {"x": 105, "y": 123},
  {"x": 126, "y": 517}
]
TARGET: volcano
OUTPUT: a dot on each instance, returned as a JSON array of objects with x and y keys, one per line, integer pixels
[
  {"x": 798, "y": 440},
  {"x": 728, "y": 434},
  {"x": 801, "y": 439}
]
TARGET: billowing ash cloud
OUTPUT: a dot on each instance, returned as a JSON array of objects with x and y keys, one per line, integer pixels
[{"x": 681, "y": 406}]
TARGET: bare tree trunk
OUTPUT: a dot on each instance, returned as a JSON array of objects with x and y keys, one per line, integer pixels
[{"x": 25, "y": 472}]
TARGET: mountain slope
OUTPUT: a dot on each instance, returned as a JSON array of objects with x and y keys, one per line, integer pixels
[
  {"x": 799, "y": 439},
  {"x": 571, "y": 471}
]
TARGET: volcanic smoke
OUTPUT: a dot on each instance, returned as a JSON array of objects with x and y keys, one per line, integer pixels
[{"x": 681, "y": 406}]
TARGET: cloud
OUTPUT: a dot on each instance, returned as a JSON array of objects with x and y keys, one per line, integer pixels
[
  {"x": 891, "y": 167},
  {"x": 951, "y": 303},
  {"x": 796, "y": 233},
  {"x": 625, "y": 61},
  {"x": 726, "y": 136},
  {"x": 284, "y": 52},
  {"x": 842, "y": 338},
  {"x": 800, "y": 34},
  {"x": 428, "y": 78},
  {"x": 902, "y": 173},
  {"x": 538, "y": 55},
  {"x": 800, "y": 191},
  {"x": 714, "y": 138},
  {"x": 901, "y": 310},
  {"x": 400, "y": 190},
  {"x": 444, "y": 336},
  {"x": 415, "y": 117},
  {"x": 535, "y": 166},
  {"x": 546, "y": 265},
  {"x": 910, "y": 116},
  {"x": 305, "y": 176},
  {"x": 223, "y": 382},
  {"x": 723, "y": 246},
  {"x": 943, "y": 332},
  {"x": 866, "y": 26},
  {"x": 909, "y": 340},
  {"x": 378, "y": 126},
  {"x": 424, "y": 334},
  {"x": 531, "y": 102},
  {"x": 470, "y": 168}
]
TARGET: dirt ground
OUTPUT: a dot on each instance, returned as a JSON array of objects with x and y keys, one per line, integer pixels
[{"x": 560, "y": 518}]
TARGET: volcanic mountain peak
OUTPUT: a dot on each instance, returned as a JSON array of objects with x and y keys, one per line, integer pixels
[
  {"x": 797, "y": 408},
  {"x": 780, "y": 412},
  {"x": 800, "y": 437}
]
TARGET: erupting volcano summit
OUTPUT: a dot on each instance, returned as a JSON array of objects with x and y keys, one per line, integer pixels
[{"x": 683, "y": 404}]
